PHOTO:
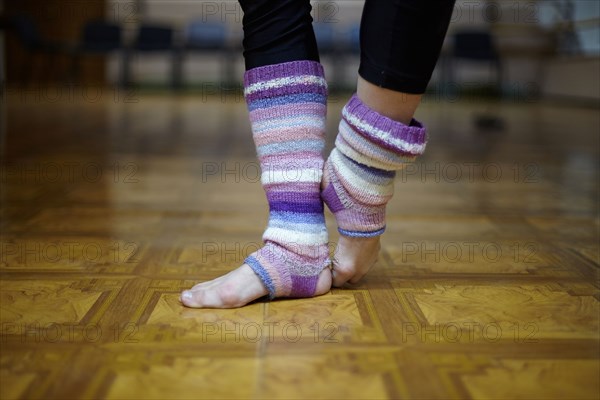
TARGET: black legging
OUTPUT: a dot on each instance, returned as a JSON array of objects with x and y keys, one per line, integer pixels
[{"x": 400, "y": 40}]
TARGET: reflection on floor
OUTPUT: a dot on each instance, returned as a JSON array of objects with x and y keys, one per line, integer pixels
[{"x": 487, "y": 285}]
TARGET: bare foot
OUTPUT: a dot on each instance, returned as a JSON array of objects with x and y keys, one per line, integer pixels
[
  {"x": 236, "y": 289},
  {"x": 353, "y": 258}
]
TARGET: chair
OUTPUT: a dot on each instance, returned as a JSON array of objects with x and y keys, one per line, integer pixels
[
  {"x": 353, "y": 42},
  {"x": 208, "y": 37},
  {"x": 479, "y": 46},
  {"x": 101, "y": 37},
  {"x": 97, "y": 37},
  {"x": 341, "y": 48},
  {"x": 330, "y": 47},
  {"x": 154, "y": 38},
  {"x": 150, "y": 39},
  {"x": 205, "y": 36},
  {"x": 325, "y": 36},
  {"x": 28, "y": 35},
  {"x": 476, "y": 46}
]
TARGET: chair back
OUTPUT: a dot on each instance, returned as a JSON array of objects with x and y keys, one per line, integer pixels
[
  {"x": 325, "y": 35},
  {"x": 154, "y": 38},
  {"x": 101, "y": 36},
  {"x": 26, "y": 30},
  {"x": 474, "y": 45},
  {"x": 205, "y": 35}
]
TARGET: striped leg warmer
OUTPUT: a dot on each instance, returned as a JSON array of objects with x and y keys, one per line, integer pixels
[
  {"x": 287, "y": 104},
  {"x": 360, "y": 171}
]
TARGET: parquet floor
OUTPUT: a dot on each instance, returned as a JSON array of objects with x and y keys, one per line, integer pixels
[{"x": 112, "y": 203}]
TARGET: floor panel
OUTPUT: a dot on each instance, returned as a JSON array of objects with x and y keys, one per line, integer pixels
[{"x": 486, "y": 286}]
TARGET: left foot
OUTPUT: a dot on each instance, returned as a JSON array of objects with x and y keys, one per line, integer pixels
[{"x": 236, "y": 289}]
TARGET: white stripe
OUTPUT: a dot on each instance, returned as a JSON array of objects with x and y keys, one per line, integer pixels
[
  {"x": 383, "y": 135},
  {"x": 296, "y": 226},
  {"x": 291, "y": 176},
  {"x": 358, "y": 182},
  {"x": 283, "y": 236},
  {"x": 378, "y": 157},
  {"x": 360, "y": 158},
  {"x": 279, "y": 82},
  {"x": 288, "y": 122}
]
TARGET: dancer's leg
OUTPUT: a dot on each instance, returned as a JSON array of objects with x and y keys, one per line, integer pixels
[
  {"x": 400, "y": 44},
  {"x": 286, "y": 95}
]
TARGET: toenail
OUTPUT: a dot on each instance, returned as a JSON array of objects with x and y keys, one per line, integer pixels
[{"x": 186, "y": 295}]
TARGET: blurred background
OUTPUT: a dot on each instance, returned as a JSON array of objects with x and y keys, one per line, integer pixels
[
  {"x": 512, "y": 49},
  {"x": 128, "y": 173}
]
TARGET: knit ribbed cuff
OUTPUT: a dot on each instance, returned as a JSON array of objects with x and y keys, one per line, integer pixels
[
  {"x": 296, "y": 81},
  {"x": 292, "y": 68},
  {"x": 383, "y": 131}
]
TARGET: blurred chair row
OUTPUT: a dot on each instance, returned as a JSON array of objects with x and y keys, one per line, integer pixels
[{"x": 102, "y": 37}]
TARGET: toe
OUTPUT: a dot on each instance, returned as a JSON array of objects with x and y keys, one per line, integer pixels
[
  {"x": 207, "y": 298},
  {"x": 191, "y": 298},
  {"x": 341, "y": 274}
]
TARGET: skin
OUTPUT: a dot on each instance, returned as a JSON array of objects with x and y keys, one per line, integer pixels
[
  {"x": 236, "y": 289},
  {"x": 353, "y": 258},
  {"x": 395, "y": 105}
]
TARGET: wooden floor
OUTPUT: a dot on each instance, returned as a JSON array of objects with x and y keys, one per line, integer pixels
[{"x": 112, "y": 203}]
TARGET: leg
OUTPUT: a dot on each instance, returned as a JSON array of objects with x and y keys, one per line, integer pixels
[
  {"x": 276, "y": 32},
  {"x": 378, "y": 134},
  {"x": 286, "y": 95},
  {"x": 397, "y": 106}
]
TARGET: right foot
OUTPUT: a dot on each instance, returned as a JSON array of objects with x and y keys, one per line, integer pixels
[
  {"x": 369, "y": 149},
  {"x": 353, "y": 258}
]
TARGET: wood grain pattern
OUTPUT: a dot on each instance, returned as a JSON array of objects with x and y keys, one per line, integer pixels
[{"x": 486, "y": 287}]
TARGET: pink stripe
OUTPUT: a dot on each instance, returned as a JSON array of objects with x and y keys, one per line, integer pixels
[
  {"x": 281, "y": 280},
  {"x": 311, "y": 158},
  {"x": 300, "y": 187},
  {"x": 287, "y": 135},
  {"x": 302, "y": 155},
  {"x": 296, "y": 185},
  {"x": 297, "y": 254},
  {"x": 353, "y": 220}
]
